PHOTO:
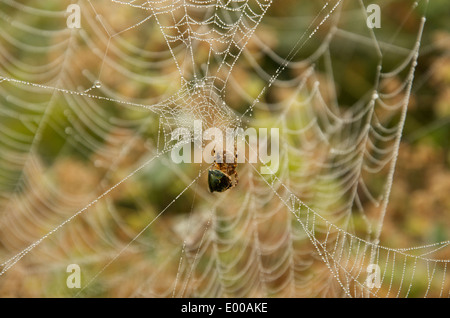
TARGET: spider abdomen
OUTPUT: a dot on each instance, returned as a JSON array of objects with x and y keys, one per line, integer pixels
[{"x": 218, "y": 181}]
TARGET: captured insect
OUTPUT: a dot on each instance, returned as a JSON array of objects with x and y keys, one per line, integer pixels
[{"x": 219, "y": 178}]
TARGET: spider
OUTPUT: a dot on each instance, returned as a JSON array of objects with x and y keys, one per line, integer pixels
[{"x": 219, "y": 178}]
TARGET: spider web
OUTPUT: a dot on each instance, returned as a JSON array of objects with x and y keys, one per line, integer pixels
[{"x": 86, "y": 175}]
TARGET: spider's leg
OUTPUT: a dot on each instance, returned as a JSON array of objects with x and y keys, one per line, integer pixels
[{"x": 231, "y": 183}]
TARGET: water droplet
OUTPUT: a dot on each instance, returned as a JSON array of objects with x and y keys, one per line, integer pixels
[{"x": 97, "y": 84}]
